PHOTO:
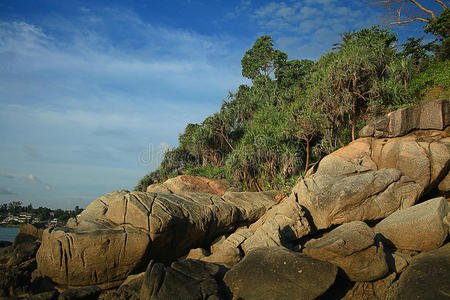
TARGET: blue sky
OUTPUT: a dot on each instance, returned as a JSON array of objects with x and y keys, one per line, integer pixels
[{"x": 93, "y": 92}]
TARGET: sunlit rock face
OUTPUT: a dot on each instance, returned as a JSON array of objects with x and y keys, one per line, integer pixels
[{"x": 120, "y": 232}]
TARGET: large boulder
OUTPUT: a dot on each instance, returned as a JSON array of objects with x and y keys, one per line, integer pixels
[
  {"x": 186, "y": 184},
  {"x": 369, "y": 195},
  {"x": 187, "y": 279},
  {"x": 352, "y": 247},
  {"x": 418, "y": 228},
  {"x": 278, "y": 273},
  {"x": 129, "y": 229},
  {"x": 423, "y": 156},
  {"x": 429, "y": 115},
  {"x": 428, "y": 276}
]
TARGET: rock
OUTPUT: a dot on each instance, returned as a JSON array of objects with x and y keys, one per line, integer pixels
[
  {"x": 398, "y": 261},
  {"x": 423, "y": 156},
  {"x": 229, "y": 252},
  {"x": 79, "y": 262},
  {"x": 429, "y": 115},
  {"x": 24, "y": 246},
  {"x": 4, "y": 244},
  {"x": 282, "y": 225},
  {"x": 351, "y": 247},
  {"x": 15, "y": 280},
  {"x": 186, "y": 184},
  {"x": 382, "y": 289},
  {"x": 418, "y": 228},
  {"x": 129, "y": 229},
  {"x": 85, "y": 293},
  {"x": 428, "y": 276},
  {"x": 50, "y": 295},
  {"x": 278, "y": 273},
  {"x": 371, "y": 195},
  {"x": 187, "y": 279},
  {"x": 214, "y": 245},
  {"x": 197, "y": 253},
  {"x": 28, "y": 229},
  {"x": 130, "y": 289}
]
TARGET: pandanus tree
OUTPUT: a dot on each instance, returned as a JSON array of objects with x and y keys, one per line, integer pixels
[{"x": 350, "y": 79}]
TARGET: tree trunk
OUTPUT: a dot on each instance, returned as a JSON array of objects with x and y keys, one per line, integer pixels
[
  {"x": 307, "y": 156},
  {"x": 354, "y": 121}
]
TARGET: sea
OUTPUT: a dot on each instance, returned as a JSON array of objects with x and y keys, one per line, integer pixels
[{"x": 8, "y": 233}]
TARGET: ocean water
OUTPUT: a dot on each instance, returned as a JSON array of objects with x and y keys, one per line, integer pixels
[{"x": 8, "y": 233}]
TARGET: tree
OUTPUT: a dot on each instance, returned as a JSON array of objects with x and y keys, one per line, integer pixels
[
  {"x": 262, "y": 59},
  {"x": 407, "y": 11},
  {"x": 293, "y": 72},
  {"x": 440, "y": 27},
  {"x": 306, "y": 124},
  {"x": 353, "y": 77}
]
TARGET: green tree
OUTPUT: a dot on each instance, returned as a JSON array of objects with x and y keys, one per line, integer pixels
[
  {"x": 305, "y": 124},
  {"x": 351, "y": 79},
  {"x": 262, "y": 59},
  {"x": 294, "y": 72},
  {"x": 440, "y": 27}
]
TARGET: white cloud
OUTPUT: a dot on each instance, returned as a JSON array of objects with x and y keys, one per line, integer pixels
[
  {"x": 33, "y": 179},
  {"x": 314, "y": 24}
]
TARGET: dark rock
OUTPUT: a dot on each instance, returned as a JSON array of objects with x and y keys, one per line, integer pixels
[
  {"x": 4, "y": 244},
  {"x": 428, "y": 276},
  {"x": 187, "y": 279},
  {"x": 50, "y": 295},
  {"x": 15, "y": 280},
  {"x": 85, "y": 293},
  {"x": 278, "y": 273},
  {"x": 130, "y": 289}
]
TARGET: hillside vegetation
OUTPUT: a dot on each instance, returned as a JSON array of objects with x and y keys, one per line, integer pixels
[{"x": 296, "y": 111}]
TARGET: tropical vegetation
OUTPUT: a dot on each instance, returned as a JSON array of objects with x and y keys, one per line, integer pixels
[{"x": 267, "y": 134}]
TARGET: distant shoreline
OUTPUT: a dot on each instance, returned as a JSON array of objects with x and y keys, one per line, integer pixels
[{"x": 11, "y": 225}]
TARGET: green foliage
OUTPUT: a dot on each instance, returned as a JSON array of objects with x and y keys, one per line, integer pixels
[
  {"x": 440, "y": 27},
  {"x": 262, "y": 59},
  {"x": 208, "y": 171},
  {"x": 266, "y": 135},
  {"x": 146, "y": 181},
  {"x": 432, "y": 83},
  {"x": 294, "y": 72}
]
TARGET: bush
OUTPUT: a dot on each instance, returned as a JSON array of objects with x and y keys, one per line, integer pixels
[
  {"x": 432, "y": 83},
  {"x": 144, "y": 183},
  {"x": 208, "y": 171}
]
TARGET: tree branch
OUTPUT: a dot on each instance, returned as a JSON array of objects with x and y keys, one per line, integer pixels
[
  {"x": 409, "y": 21},
  {"x": 424, "y": 9},
  {"x": 441, "y": 3}
]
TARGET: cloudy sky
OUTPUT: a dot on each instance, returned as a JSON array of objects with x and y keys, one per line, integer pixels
[{"x": 92, "y": 92}]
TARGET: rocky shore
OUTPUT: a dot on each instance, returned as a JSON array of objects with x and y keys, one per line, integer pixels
[{"x": 370, "y": 221}]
